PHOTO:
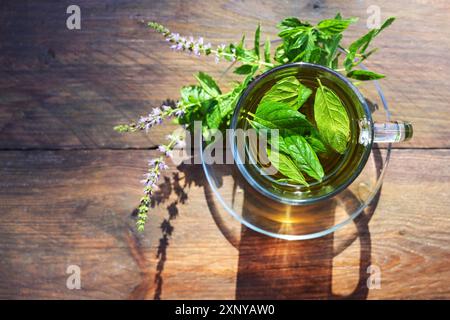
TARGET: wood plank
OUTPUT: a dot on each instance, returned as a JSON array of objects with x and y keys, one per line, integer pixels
[
  {"x": 67, "y": 89},
  {"x": 59, "y": 208}
]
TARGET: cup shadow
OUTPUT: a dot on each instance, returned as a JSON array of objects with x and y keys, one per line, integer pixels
[
  {"x": 302, "y": 269},
  {"x": 270, "y": 268}
]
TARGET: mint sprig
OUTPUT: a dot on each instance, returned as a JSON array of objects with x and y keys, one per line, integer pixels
[{"x": 205, "y": 101}]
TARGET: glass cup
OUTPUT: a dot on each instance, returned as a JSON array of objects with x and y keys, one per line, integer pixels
[{"x": 349, "y": 166}]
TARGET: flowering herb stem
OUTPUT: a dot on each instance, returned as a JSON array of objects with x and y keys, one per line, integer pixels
[{"x": 205, "y": 102}]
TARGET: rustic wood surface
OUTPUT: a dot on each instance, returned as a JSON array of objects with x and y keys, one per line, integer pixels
[{"x": 69, "y": 184}]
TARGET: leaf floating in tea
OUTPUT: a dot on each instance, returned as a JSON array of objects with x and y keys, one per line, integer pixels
[
  {"x": 289, "y": 91},
  {"x": 331, "y": 118},
  {"x": 286, "y": 166},
  {"x": 277, "y": 115},
  {"x": 304, "y": 156},
  {"x": 315, "y": 140}
]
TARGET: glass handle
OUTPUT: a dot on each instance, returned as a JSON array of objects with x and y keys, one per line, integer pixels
[{"x": 394, "y": 131}]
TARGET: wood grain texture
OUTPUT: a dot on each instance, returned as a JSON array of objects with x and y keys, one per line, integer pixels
[
  {"x": 69, "y": 184},
  {"x": 60, "y": 208},
  {"x": 67, "y": 89}
]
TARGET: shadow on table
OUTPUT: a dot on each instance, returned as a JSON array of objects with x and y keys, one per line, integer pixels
[
  {"x": 270, "y": 268},
  {"x": 298, "y": 269},
  {"x": 280, "y": 270}
]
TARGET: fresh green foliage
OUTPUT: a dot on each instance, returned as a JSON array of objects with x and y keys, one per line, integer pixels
[
  {"x": 257, "y": 40},
  {"x": 208, "y": 84},
  {"x": 267, "y": 51},
  {"x": 331, "y": 118},
  {"x": 301, "y": 41},
  {"x": 299, "y": 141},
  {"x": 358, "y": 48},
  {"x": 316, "y": 142},
  {"x": 289, "y": 91},
  {"x": 304, "y": 156},
  {"x": 364, "y": 75},
  {"x": 286, "y": 166},
  {"x": 278, "y": 115}
]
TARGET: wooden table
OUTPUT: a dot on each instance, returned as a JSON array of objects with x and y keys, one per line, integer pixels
[{"x": 69, "y": 184}]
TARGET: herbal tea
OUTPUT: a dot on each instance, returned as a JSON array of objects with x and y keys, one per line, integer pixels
[{"x": 318, "y": 130}]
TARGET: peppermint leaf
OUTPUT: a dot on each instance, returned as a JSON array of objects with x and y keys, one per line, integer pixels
[
  {"x": 267, "y": 51},
  {"x": 331, "y": 118},
  {"x": 360, "y": 45},
  {"x": 364, "y": 75},
  {"x": 288, "y": 91},
  {"x": 213, "y": 115},
  {"x": 331, "y": 47},
  {"x": 315, "y": 140},
  {"x": 308, "y": 48},
  {"x": 304, "y": 156},
  {"x": 292, "y": 22},
  {"x": 334, "y": 26},
  {"x": 276, "y": 115},
  {"x": 281, "y": 146},
  {"x": 286, "y": 166},
  {"x": 208, "y": 84},
  {"x": 257, "y": 39},
  {"x": 244, "y": 69}
]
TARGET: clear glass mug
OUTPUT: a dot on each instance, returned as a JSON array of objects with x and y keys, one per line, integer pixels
[{"x": 351, "y": 164}]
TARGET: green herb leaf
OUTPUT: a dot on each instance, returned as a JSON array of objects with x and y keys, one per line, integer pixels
[
  {"x": 360, "y": 45},
  {"x": 257, "y": 39},
  {"x": 276, "y": 115},
  {"x": 364, "y": 75},
  {"x": 315, "y": 140},
  {"x": 286, "y": 166},
  {"x": 331, "y": 118},
  {"x": 244, "y": 69},
  {"x": 208, "y": 84},
  {"x": 334, "y": 26},
  {"x": 304, "y": 156},
  {"x": 308, "y": 48},
  {"x": 281, "y": 146},
  {"x": 213, "y": 115},
  {"x": 292, "y": 22},
  {"x": 267, "y": 51},
  {"x": 289, "y": 91},
  {"x": 331, "y": 47}
]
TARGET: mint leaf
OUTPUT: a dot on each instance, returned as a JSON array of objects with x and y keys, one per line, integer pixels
[
  {"x": 257, "y": 39},
  {"x": 315, "y": 140},
  {"x": 360, "y": 45},
  {"x": 193, "y": 95},
  {"x": 303, "y": 94},
  {"x": 288, "y": 91},
  {"x": 267, "y": 51},
  {"x": 244, "y": 69},
  {"x": 304, "y": 156},
  {"x": 213, "y": 115},
  {"x": 286, "y": 166},
  {"x": 292, "y": 22},
  {"x": 208, "y": 84},
  {"x": 334, "y": 26},
  {"x": 308, "y": 47},
  {"x": 276, "y": 115},
  {"x": 330, "y": 48},
  {"x": 281, "y": 146},
  {"x": 364, "y": 75},
  {"x": 331, "y": 118}
]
